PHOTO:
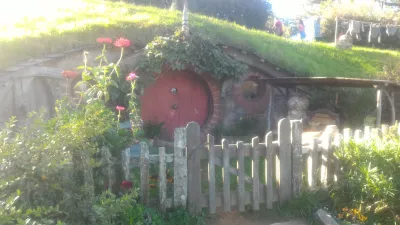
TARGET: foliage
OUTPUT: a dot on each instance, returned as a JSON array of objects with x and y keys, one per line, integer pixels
[
  {"x": 47, "y": 164},
  {"x": 352, "y": 215},
  {"x": 179, "y": 51},
  {"x": 152, "y": 129},
  {"x": 369, "y": 184},
  {"x": 109, "y": 209},
  {"x": 106, "y": 83},
  {"x": 306, "y": 205},
  {"x": 391, "y": 71},
  {"x": 252, "y": 14}
]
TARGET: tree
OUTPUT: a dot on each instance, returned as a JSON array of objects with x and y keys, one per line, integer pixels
[{"x": 250, "y": 13}]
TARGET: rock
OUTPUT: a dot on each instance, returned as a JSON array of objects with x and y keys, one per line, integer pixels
[
  {"x": 292, "y": 222},
  {"x": 325, "y": 218}
]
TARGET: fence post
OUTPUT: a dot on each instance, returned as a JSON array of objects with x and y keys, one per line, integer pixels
[
  {"x": 144, "y": 172},
  {"x": 255, "y": 172},
  {"x": 180, "y": 168},
  {"x": 211, "y": 174},
  {"x": 285, "y": 160},
  {"x": 226, "y": 176},
  {"x": 194, "y": 179},
  {"x": 163, "y": 180},
  {"x": 270, "y": 155},
  {"x": 297, "y": 157},
  {"x": 126, "y": 161}
]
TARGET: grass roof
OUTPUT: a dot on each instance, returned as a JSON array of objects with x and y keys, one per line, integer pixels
[{"x": 67, "y": 24}]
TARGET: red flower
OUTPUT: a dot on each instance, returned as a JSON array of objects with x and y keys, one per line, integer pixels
[
  {"x": 131, "y": 76},
  {"x": 126, "y": 184},
  {"x": 104, "y": 40},
  {"x": 122, "y": 43},
  {"x": 69, "y": 74},
  {"x": 120, "y": 108}
]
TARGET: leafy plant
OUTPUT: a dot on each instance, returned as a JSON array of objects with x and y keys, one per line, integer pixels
[
  {"x": 124, "y": 210},
  {"x": 178, "y": 52},
  {"x": 152, "y": 129},
  {"x": 306, "y": 205},
  {"x": 48, "y": 166},
  {"x": 369, "y": 181}
]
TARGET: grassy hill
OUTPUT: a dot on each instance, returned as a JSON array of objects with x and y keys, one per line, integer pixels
[{"x": 30, "y": 32}]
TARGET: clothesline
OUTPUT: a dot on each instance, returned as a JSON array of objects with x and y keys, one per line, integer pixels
[{"x": 369, "y": 23}]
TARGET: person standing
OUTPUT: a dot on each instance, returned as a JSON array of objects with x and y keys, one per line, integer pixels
[
  {"x": 302, "y": 30},
  {"x": 278, "y": 27},
  {"x": 317, "y": 29}
]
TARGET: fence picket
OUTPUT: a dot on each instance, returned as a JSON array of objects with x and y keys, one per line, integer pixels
[
  {"x": 385, "y": 129},
  {"x": 346, "y": 134},
  {"x": 194, "y": 176},
  {"x": 226, "y": 176},
  {"x": 330, "y": 169},
  {"x": 315, "y": 160},
  {"x": 269, "y": 167},
  {"x": 211, "y": 174},
  {"x": 144, "y": 172},
  {"x": 180, "y": 168},
  {"x": 285, "y": 159},
  {"x": 358, "y": 136},
  {"x": 367, "y": 133},
  {"x": 163, "y": 180},
  {"x": 297, "y": 157},
  {"x": 255, "y": 173},
  {"x": 240, "y": 167}
]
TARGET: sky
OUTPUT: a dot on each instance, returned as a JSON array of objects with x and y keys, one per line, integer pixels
[{"x": 288, "y": 8}]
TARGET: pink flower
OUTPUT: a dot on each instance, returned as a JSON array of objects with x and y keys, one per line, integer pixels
[
  {"x": 126, "y": 184},
  {"x": 122, "y": 43},
  {"x": 131, "y": 76},
  {"x": 69, "y": 74},
  {"x": 120, "y": 108},
  {"x": 104, "y": 40}
]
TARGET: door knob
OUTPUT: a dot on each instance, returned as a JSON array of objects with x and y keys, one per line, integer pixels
[{"x": 174, "y": 106}]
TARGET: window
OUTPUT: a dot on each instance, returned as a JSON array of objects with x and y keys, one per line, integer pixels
[{"x": 253, "y": 88}]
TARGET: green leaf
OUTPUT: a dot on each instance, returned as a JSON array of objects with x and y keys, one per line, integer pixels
[
  {"x": 86, "y": 76},
  {"x": 84, "y": 68}
]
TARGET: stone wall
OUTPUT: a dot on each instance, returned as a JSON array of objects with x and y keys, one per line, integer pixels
[
  {"x": 37, "y": 83},
  {"x": 236, "y": 105}
]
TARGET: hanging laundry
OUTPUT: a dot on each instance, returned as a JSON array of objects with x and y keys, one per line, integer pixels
[
  {"x": 374, "y": 33},
  {"x": 391, "y": 30},
  {"x": 354, "y": 27}
]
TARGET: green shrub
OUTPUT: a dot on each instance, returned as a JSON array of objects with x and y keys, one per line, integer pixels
[
  {"x": 370, "y": 178},
  {"x": 109, "y": 209},
  {"x": 49, "y": 165},
  {"x": 306, "y": 205}
]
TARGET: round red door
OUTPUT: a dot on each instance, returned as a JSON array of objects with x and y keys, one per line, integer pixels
[{"x": 175, "y": 98}]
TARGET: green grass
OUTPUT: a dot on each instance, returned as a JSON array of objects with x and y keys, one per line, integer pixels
[{"x": 61, "y": 25}]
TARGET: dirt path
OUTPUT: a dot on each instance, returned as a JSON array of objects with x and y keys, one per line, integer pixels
[{"x": 265, "y": 218}]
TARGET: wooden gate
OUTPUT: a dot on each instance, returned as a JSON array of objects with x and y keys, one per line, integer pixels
[{"x": 207, "y": 175}]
